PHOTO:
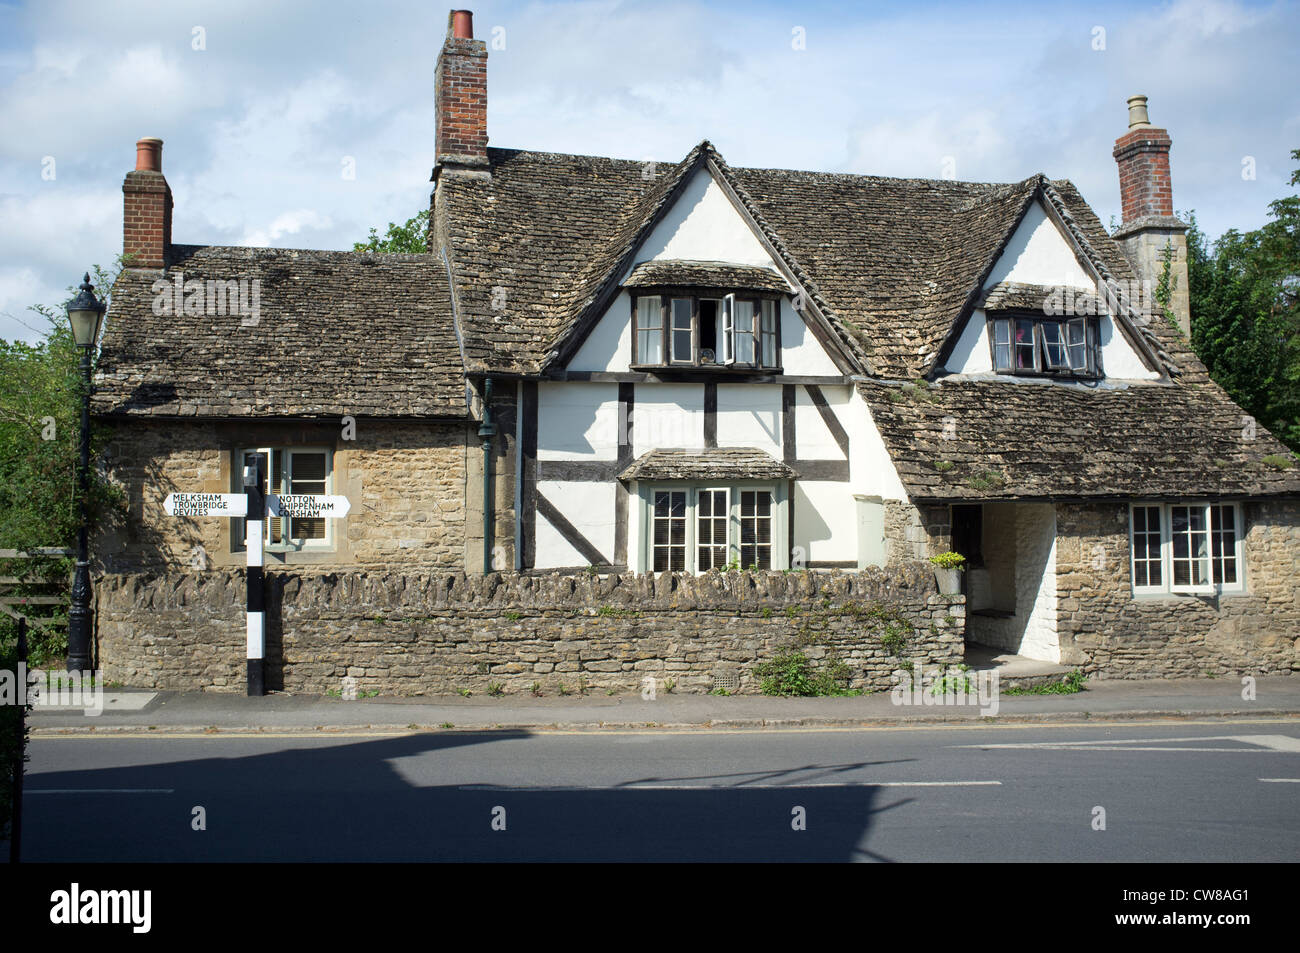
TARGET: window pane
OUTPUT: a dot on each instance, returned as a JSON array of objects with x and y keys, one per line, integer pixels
[
  {"x": 681, "y": 336},
  {"x": 745, "y": 331},
  {"x": 307, "y": 476},
  {"x": 1025, "y": 345},
  {"x": 649, "y": 323},
  {"x": 669, "y": 531},
  {"x": 767, "y": 330},
  {"x": 1148, "y": 566},
  {"x": 1053, "y": 345},
  {"x": 756, "y": 529},
  {"x": 1002, "y": 344},
  {"x": 1223, "y": 535},
  {"x": 1077, "y": 338},
  {"x": 711, "y": 530},
  {"x": 1191, "y": 551}
]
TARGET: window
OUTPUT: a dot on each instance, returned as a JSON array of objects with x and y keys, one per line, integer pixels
[
  {"x": 1186, "y": 548},
  {"x": 756, "y": 529},
  {"x": 1045, "y": 346},
  {"x": 695, "y": 529},
  {"x": 669, "y": 531},
  {"x": 650, "y": 329},
  {"x": 291, "y": 470},
  {"x": 687, "y": 330}
]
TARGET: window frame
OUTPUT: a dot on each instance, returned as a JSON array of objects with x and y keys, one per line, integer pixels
[
  {"x": 738, "y": 312},
  {"x": 1090, "y": 369},
  {"x": 693, "y": 488},
  {"x": 287, "y": 544},
  {"x": 1167, "y": 586}
]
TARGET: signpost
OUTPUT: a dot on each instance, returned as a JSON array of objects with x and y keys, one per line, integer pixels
[{"x": 255, "y": 506}]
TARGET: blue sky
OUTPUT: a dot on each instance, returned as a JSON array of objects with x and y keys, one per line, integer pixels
[{"x": 259, "y": 123}]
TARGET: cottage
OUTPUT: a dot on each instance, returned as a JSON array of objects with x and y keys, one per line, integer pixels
[{"x": 616, "y": 366}]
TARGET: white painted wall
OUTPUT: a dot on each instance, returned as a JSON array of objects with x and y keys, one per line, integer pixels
[
  {"x": 1038, "y": 254},
  {"x": 589, "y": 507},
  {"x": 872, "y": 469},
  {"x": 1020, "y": 558},
  {"x": 577, "y": 421},
  {"x": 703, "y": 225},
  {"x": 813, "y": 439},
  {"x": 1118, "y": 358},
  {"x": 609, "y": 345},
  {"x": 971, "y": 354},
  {"x": 801, "y": 352},
  {"x": 749, "y": 415},
  {"x": 668, "y": 416},
  {"x": 825, "y": 521}
]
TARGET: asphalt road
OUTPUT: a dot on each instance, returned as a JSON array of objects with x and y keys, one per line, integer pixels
[{"x": 1192, "y": 791}]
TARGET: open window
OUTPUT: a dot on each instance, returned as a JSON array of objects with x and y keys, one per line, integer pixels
[
  {"x": 1045, "y": 346},
  {"x": 678, "y": 330}
]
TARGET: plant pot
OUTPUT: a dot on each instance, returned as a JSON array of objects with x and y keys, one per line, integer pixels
[{"x": 949, "y": 580}]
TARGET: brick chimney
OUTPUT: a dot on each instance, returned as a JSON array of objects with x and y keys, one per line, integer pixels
[
  {"x": 1149, "y": 231},
  {"x": 461, "y": 97},
  {"x": 147, "y": 208}
]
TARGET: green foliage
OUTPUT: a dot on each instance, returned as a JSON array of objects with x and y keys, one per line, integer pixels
[
  {"x": 949, "y": 560},
  {"x": 613, "y": 612},
  {"x": 1245, "y": 302},
  {"x": 13, "y": 744},
  {"x": 1279, "y": 461},
  {"x": 1071, "y": 684},
  {"x": 496, "y": 689},
  {"x": 943, "y": 466},
  {"x": 410, "y": 238},
  {"x": 792, "y": 673},
  {"x": 953, "y": 682},
  {"x": 986, "y": 480}
]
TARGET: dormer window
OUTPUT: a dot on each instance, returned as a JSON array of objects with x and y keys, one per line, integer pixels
[
  {"x": 739, "y": 331},
  {"x": 1034, "y": 345}
]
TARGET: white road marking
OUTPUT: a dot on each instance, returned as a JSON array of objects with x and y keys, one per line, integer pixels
[
  {"x": 732, "y": 787},
  {"x": 1272, "y": 743},
  {"x": 1281, "y": 780}
]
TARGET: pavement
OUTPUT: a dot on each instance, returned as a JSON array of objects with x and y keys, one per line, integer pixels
[{"x": 1107, "y": 700}]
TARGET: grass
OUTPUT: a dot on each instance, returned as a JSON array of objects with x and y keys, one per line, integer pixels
[
  {"x": 1072, "y": 684},
  {"x": 496, "y": 689},
  {"x": 1279, "y": 461}
]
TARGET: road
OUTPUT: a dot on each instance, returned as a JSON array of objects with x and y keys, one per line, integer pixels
[{"x": 1190, "y": 791}]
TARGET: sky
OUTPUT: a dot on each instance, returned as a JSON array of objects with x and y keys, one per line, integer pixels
[{"x": 265, "y": 105}]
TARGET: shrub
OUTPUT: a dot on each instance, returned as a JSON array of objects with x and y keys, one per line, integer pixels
[
  {"x": 949, "y": 560},
  {"x": 792, "y": 674}
]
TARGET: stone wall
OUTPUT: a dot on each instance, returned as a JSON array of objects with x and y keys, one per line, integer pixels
[
  {"x": 405, "y": 481},
  {"x": 1105, "y": 629},
  {"x": 915, "y": 533},
  {"x": 427, "y": 634}
]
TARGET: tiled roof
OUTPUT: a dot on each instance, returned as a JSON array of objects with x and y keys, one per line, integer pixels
[
  {"x": 1007, "y": 438},
  {"x": 705, "y": 274},
  {"x": 724, "y": 463},
  {"x": 336, "y": 333}
]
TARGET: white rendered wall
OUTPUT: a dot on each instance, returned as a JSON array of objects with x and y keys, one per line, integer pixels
[
  {"x": 703, "y": 225},
  {"x": 872, "y": 469},
  {"x": 813, "y": 439},
  {"x": 668, "y": 416},
  {"x": 825, "y": 521},
  {"x": 577, "y": 421},
  {"x": 609, "y": 345},
  {"x": 589, "y": 507},
  {"x": 1036, "y": 580},
  {"x": 1038, "y": 254},
  {"x": 749, "y": 415},
  {"x": 972, "y": 355},
  {"x": 801, "y": 352}
]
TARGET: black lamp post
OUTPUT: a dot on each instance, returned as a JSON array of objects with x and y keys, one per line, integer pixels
[{"x": 85, "y": 313}]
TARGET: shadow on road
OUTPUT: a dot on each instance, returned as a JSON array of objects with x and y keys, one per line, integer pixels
[{"x": 349, "y": 802}]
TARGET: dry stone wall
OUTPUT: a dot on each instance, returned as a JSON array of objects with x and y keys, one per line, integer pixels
[{"x": 428, "y": 634}]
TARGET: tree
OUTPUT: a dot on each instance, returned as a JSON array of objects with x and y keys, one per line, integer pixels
[
  {"x": 411, "y": 238},
  {"x": 1245, "y": 302}
]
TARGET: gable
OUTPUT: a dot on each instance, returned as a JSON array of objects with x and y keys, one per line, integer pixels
[
  {"x": 1039, "y": 254},
  {"x": 703, "y": 225}
]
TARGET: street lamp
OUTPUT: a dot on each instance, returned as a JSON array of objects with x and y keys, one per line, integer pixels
[{"x": 85, "y": 314}]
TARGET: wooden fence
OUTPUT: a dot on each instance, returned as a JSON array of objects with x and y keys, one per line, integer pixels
[{"x": 37, "y": 592}]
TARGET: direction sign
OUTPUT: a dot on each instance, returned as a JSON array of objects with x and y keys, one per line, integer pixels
[
  {"x": 307, "y": 506},
  {"x": 206, "y": 504}
]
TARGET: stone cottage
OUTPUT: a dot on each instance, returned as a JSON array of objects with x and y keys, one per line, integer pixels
[{"x": 606, "y": 367}]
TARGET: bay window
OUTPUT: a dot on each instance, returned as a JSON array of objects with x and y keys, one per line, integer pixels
[
  {"x": 739, "y": 330},
  {"x": 1186, "y": 548},
  {"x": 698, "y": 528},
  {"x": 1058, "y": 347}
]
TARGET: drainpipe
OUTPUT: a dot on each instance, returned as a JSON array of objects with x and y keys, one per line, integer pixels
[{"x": 487, "y": 430}]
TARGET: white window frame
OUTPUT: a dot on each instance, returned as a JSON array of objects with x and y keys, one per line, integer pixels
[
  {"x": 780, "y": 545},
  {"x": 1168, "y": 586},
  {"x": 289, "y": 546}
]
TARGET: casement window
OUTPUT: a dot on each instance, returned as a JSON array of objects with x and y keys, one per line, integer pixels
[
  {"x": 291, "y": 470},
  {"x": 688, "y": 330},
  {"x": 695, "y": 529},
  {"x": 1064, "y": 347},
  {"x": 1186, "y": 548}
]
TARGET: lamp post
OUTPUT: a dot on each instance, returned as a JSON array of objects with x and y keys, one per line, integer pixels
[{"x": 85, "y": 313}]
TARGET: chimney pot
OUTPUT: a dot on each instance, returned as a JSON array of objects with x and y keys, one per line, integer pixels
[
  {"x": 148, "y": 155},
  {"x": 1137, "y": 112},
  {"x": 462, "y": 24}
]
